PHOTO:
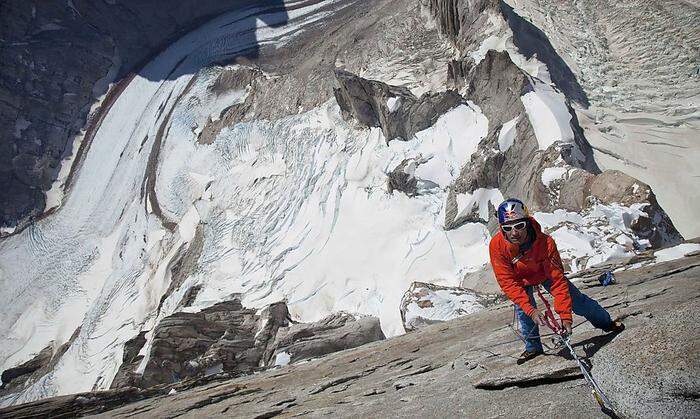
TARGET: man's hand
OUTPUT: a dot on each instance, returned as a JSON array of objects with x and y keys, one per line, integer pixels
[
  {"x": 568, "y": 326},
  {"x": 536, "y": 317}
]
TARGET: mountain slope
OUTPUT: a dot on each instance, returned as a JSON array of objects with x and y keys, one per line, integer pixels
[{"x": 285, "y": 175}]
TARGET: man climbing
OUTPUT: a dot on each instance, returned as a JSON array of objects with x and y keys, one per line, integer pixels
[{"x": 522, "y": 257}]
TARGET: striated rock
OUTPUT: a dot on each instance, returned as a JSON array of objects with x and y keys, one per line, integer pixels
[
  {"x": 425, "y": 304},
  {"x": 456, "y": 19},
  {"x": 398, "y": 112}
]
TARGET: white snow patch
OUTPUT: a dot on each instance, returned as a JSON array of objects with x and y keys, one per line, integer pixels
[
  {"x": 282, "y": 359},
  {"x": 172, "y": 391},
  {"x": 445, "y": 147},
  {"x": 393, "y": 103},
  {"x": 480, "y": 198},
  {"x": 676, "y": 252},
  {"x": 443, "y": 305},
  {"x": 507, "y": 135},
  {"x": 598, "y": 235},
  {"x": 546, "y": 108},
  {"x": 550, "y": 174}
]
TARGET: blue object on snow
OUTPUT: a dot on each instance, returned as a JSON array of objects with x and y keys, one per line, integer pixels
[{"x": 606, "y": 279}]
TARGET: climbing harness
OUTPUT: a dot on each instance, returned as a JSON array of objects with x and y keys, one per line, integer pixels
[{"x": 564, "y": 339}]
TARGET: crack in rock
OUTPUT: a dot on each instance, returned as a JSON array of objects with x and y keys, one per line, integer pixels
[{"x": 551, "y": 377}]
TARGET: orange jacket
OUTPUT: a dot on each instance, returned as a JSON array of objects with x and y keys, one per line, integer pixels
[{"x": 538, "y": 264}]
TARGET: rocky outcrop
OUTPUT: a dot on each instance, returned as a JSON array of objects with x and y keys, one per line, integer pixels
[
  {"x": 23, "y": 371},
  {"x": 398, "y": 112},
  {"x": 17, "y": 378},
  {"x": 224, "y": 337},
  {"x": 337, "y": 332},
  {"x": 126, "y": 376},
  {"x": 496, "y": 85},
  {"x": 464, "y": 367},
  {"x": 231, "y": 339},
  {"x": 613, "y": 186},
  {"x": 425, "y": 304}
]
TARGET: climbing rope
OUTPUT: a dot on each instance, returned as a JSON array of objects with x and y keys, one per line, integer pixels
[{"x": 564, "y": 339}]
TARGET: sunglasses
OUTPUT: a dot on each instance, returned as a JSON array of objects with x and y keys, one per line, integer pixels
[{"x": 518, "y": 226}]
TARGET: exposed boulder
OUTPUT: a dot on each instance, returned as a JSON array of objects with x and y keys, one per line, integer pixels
[
  {"x": 425, "y": 304},
  {"x": 482, "y": 281},
  {"x": 402, "y": 178},
  {"x": 337, "y": 332},
  {"x": 398, "y": 112}
]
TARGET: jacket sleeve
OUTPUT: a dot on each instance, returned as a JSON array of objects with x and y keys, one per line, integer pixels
[
  {"x": 560, "y": 285},
  {"x": 503, "y": 270}
]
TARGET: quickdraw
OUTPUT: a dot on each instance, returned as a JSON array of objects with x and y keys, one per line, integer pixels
[{"x": 565, "y": 340}]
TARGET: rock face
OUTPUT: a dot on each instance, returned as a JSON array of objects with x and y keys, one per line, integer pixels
[
  {"x": 229, "y": 338},
  {"x": 46, "y": 91},
  {"x": 464, "y": 367},
  {"x": 457, "y": 18},
  {"x": 496, "y": 85},
  {"x": 521, "y": 169},
  {"x": 425, "y": 304},
  {"x": 398, "y": 112}
]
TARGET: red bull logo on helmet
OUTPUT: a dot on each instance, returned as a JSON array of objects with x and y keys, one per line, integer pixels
[
  {"x": 511, "y": 210},
  {"x": 512, "y": 215}
]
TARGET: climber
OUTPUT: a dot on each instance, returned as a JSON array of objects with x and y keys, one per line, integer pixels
[{"x": 522, "y": 257}]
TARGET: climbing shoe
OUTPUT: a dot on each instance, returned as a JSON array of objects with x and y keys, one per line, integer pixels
[
  {"x": 527, "y": 355},
  {"x": 616, "y": 327}
]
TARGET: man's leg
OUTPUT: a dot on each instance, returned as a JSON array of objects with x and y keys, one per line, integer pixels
[
  {"x": 528, "y": 327},
  {"x": 587, "y": 307}
]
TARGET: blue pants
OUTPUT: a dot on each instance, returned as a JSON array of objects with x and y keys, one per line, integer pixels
[{"x": 581, "y": 304}]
